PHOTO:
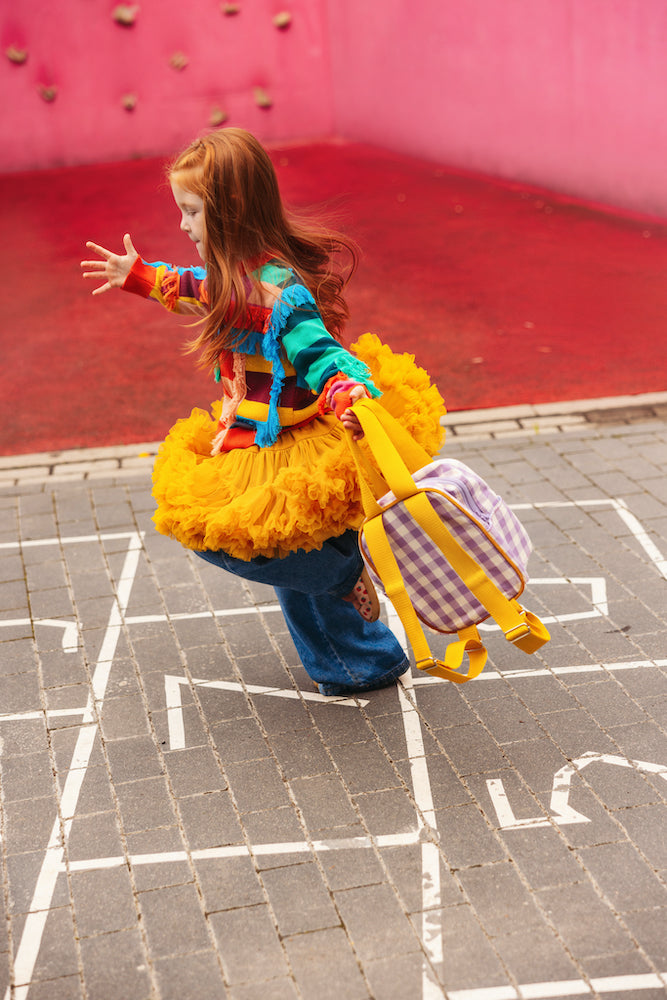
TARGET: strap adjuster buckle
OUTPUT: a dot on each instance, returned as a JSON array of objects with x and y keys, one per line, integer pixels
[{"x": 517, "y": 632}]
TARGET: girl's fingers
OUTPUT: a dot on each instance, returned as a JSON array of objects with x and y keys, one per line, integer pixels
[
  {"x": 95, "y": 265},
  {"x": 129, "y": 245},
  {"x": 351, "y": 423},
  {"x": 100, "y": 250},
  {"x": 358, "y": 392}
]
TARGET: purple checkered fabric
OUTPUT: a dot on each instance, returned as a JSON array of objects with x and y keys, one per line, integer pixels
[{"x": 464, "y": 502}]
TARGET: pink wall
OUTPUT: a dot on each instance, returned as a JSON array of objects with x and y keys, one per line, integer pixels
[
  {"x": 77, "y": 46},
  {"x": 567, "y": 94}
]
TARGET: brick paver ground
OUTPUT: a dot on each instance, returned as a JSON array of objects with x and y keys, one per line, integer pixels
[{"x": 182, "y": 816}]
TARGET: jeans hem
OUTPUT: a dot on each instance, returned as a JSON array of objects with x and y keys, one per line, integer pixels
[{"x": 381, "y": 682}]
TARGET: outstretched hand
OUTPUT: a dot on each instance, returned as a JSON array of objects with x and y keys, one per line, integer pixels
[{"x": 113, "y": 268}]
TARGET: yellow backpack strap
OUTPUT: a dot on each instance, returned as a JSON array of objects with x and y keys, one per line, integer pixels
[
  {"x": 469, "y": 642},
  {"x": 371, "y": 484},
  {"x": 396, "y": 455},
  {"x": 396, "y": 452}
]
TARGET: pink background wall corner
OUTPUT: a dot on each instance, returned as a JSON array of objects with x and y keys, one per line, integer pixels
[{"x": 567, "y": 94}]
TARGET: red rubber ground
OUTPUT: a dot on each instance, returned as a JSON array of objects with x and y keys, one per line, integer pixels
[{"x": 506, "y": 294}]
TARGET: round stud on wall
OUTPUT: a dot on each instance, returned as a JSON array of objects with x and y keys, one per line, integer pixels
[
  {"x": 229, "y": 9},
  {"x": 283, "y": 20},
  {"x": 262, "y": 99},
  {"x": 125, "y": 14},
  {"x": 217, "y": 117},
  {"x": 48, "y": 92},
  {"x": 16, "y": 55},
  {"x": 129, "y": 101},
  {"x": 179, "y": 61}
]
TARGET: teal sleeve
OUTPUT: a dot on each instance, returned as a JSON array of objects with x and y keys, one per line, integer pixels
[{"x": 316, "y": 355}]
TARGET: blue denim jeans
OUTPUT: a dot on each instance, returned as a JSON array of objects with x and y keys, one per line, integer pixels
[{"x": 341, "y": 652}]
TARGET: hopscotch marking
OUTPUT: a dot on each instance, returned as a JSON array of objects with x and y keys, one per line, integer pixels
[
  {"x": 70, "y": 640},
  {"x": 425, "y": 834}
]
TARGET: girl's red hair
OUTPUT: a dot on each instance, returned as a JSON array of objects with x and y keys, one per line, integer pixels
[{"x": 245, "y": 220}]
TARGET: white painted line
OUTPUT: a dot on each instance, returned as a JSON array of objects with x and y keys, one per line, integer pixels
[
  {"x": 584, "y": 668},
  {"x": 642, "y": 537},
  {"x": 593, "y": 757},
  {"x": 623, "y": 511},
  {"x": 565, "y": 988},
  {"x": 175, "y": 721},
  {"x": 597, "y": 584},
  {"x": 50, "y": 713},
  {"x": 407, "y": 839},
  {"x": 174, "y": 683},
  {"x": 70, "y": 629},
  {"x": 555, "y": 504},
  {"x": 274, "y": 692},
  {"x": 192, "y": 615},
  {"x": 68, "y": 540},
  {"x": 81, "y": 755},
  {"x": 431, "y": 923},
  {"x": 33, "y": 930},
  {"x": 506, "y": 818}
]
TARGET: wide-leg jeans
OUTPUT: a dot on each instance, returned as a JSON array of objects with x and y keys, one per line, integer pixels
[{"x": 341, "y": 651}]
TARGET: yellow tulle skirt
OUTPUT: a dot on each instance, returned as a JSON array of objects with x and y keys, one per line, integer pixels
[{"x": 298, "y": 492}]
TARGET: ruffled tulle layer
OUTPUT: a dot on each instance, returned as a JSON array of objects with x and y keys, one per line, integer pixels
[{"x": 294, "y": 494}]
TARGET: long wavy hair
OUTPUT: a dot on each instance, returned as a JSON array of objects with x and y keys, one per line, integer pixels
[{"x": 245, "y": 221}]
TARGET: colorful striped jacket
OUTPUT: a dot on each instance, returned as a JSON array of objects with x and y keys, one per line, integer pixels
[{"x": 280, "y": 361}]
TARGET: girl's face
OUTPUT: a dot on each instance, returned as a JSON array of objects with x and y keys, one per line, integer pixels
[{"x": 192, "y": 216}]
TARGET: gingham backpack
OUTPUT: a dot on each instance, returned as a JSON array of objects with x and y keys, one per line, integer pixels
[{"x": 446, "y": 550}]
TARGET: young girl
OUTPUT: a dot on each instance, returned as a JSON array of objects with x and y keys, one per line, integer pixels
[{"x": 266, "y": 487}]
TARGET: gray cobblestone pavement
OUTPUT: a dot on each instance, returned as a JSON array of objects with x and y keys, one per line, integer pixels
[{"x": 182, "y": 816}]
